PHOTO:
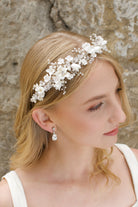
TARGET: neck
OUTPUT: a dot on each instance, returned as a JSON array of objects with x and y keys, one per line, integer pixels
[{"x": 68, "y": 162}]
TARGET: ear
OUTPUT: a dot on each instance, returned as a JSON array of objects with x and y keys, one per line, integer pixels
[{"x": 42, "y": 119}]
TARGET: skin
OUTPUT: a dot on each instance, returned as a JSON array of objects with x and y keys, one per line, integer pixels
[{"x": 63, "y": 171}]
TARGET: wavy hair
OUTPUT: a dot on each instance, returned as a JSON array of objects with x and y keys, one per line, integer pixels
[{"x": 29, "y": 149}]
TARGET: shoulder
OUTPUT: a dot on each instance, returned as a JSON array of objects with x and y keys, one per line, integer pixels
[
  {"x": 121, "y": 147},
  {"x": 5, "y": 196},
  {"x": 135, "y": 151}
]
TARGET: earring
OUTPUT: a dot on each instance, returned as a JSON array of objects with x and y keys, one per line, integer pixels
[{"x": 54, "y": 136}]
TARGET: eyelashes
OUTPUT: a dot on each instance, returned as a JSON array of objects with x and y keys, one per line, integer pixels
[
  {"x": 98, "y": 106},
  {"x": 94, "y": 108}
]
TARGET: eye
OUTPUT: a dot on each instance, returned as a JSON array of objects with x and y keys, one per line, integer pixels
[
  {"x": 98, "y": 106},
  {"x": 94, "y": 108}
]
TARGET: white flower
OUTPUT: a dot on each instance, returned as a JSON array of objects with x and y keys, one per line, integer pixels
[
  {"x": 47, "y": 78},
  {"x": 40, "y": 97},
  {"x": 60, "y": 61},
  {"x": 84, "y": 62},
  {"x": 69, "y": 76},
  {"x": 58, "y": 85},
  {"x": 41, "y": 83},
  {"x": 101, "y": 41},
  {"x": 97, "y": 49},
  {"x": 34, "y": 98},
  {"x": 68, "y": 67},
  {"x": 76, "y": 59},
  {"x": 48, "y": 86},
  {"x": 56, "y": 78},
  {"x": 75, "y": 66},
  {"x": 85, "y": 45},
  {"x": 35, "y": 86},
  {"x": 40, "y": 89},
  {"x": 69, "y": 58},
  {"x": 60, "y": 72},
  {"x": 88, "y": 48},
  {"x": 50, "y": 70}
]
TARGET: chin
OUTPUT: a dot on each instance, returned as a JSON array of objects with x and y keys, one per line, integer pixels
[{"x": 112, "y": 140}]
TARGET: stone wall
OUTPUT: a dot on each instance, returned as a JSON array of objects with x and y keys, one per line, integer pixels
[{"x": 23, "y": 22}]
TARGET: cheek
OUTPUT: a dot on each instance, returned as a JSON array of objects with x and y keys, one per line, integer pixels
[
  {"x": 71, "y": 120},
  {"x": 83, "y": 123},
  {"x": 93, "y": 123}
]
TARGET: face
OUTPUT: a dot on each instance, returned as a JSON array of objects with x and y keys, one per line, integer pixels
[{"x": 92, "y": 110}]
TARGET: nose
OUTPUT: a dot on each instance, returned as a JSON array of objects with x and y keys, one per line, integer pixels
[{"x": 117, "y": 116}]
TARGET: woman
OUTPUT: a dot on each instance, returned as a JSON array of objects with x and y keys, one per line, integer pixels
[{"x": 72, "y": 103}]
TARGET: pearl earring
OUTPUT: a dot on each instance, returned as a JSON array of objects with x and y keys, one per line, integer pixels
[{"x": 54, "y": 136}]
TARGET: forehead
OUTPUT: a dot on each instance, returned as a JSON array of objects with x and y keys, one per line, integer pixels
[
  {"x": 101, "y": 80},
  {"x": 102, "y": 76}
]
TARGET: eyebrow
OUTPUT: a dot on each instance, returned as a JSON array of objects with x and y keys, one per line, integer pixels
[{"x": 100, "y": 96}]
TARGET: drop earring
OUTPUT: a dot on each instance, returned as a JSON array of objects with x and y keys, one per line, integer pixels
[{"x": 54, "y": 136}]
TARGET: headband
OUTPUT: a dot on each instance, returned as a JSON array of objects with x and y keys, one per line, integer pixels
[{"x": 67, "y": 68}]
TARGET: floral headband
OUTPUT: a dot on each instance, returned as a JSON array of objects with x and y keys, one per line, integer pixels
[{"x": 65, "y": 69}]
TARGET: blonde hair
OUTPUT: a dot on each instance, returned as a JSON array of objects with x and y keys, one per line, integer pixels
[{"x": 31, "y": 139}]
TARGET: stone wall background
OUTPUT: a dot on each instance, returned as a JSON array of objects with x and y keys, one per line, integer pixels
[{"x": 23, "y": 22}]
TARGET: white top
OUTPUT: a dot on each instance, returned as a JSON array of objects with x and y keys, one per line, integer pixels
[{"x": 17, "y": 191}]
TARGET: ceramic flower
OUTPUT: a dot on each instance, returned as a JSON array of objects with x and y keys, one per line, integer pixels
[{"x": 65, "y": 69}]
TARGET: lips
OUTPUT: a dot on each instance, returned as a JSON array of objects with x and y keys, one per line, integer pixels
[{"x": 112, "y": 133}]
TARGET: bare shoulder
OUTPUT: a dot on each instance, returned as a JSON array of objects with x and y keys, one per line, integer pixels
[
  {"x": 135, "y": 151},
  {"x": 5, "y": 196}
]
